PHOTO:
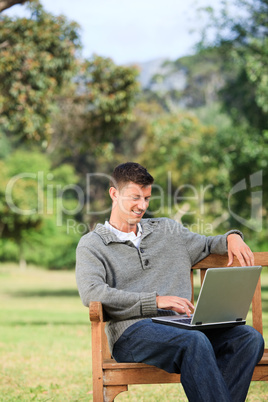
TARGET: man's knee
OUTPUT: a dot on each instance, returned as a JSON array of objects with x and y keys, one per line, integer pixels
[
  {"x": 253, "y": 334},
  {"x": 198, "y": 343},
  {"x": 254, "y": 341},
  {"x": 257, "y": 340},
  {"x": 196, "y": 354}
]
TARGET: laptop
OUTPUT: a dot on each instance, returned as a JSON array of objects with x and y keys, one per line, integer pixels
[{"x": 223, "y": 301}]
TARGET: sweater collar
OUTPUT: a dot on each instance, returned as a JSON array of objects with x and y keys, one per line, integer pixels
[{"x": 107, "y": 236}]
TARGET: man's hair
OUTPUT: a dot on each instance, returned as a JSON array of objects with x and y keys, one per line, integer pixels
[{"x": 133, "y": 172}]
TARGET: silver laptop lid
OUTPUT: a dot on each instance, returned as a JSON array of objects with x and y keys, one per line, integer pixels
[{"x": 226, "y": 294}]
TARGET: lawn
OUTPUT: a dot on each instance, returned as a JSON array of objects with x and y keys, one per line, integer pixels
[{"x": 45, "y": 351}]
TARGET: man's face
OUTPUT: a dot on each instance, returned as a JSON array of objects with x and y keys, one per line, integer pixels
[{"x": 130, "y": 202}]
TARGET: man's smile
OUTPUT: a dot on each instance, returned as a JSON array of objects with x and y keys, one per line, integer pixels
[{"x": 138, "y": 212}]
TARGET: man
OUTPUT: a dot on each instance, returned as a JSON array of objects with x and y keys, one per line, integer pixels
[{"x": 140, "y": 268}]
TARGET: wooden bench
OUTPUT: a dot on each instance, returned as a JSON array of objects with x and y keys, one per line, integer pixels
[{"x": 110, "y": 378}]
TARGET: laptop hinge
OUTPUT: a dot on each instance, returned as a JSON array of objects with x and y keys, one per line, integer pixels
[
  {"x": 239, "y": 319},
  {"x": 198, "y": 323}
]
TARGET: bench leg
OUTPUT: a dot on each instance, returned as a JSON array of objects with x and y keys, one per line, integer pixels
[{"x": 111, "y": 391}]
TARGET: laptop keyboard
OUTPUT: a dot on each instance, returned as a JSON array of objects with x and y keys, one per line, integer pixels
[{"x": 184, "y": 320}]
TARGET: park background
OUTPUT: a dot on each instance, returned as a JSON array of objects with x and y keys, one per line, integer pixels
[{"x": 197, "y": 121}]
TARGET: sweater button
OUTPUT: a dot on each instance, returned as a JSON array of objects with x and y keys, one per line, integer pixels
[
  {"x": 142, "y": 250},
  {"x": 146, "y": 262}
]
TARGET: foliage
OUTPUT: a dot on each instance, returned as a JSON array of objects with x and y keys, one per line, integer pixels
[
  {"x": 89, "y": 126},
  {"x": 197, "y": 163},
  {"x": 206, "y": 75},
  {"x": 66, "y": 122},
  {"x": 74, "y": 120},
  {"x": 246, "y": 95},
  {"x": 19, "y": 193},
  {"x": 230, "y": 27},
  {"x": 93, "y": 112},
  {"x": 241, "y": 40},
  {"x": 34, "y": 206},
  {"x": 107, "y": 92},
  {"x": 187, "y": 163},
  {"x": 189, "y": 82},
  {"x": 37, "y": 56}
]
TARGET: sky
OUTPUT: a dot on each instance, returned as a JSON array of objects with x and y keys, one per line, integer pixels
[{"x": 132, "y": 31}]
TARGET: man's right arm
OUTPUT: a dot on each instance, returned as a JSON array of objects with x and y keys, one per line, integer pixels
[{"x": 118, "y": 304}]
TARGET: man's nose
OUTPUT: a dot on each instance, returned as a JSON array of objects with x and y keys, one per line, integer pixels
[{"x": 142, "y": 204}]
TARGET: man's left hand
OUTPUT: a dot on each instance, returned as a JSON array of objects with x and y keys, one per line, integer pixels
[{"x": 238, "y": 248}]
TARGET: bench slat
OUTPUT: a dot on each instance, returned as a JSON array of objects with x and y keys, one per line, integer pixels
[
  {"x": 138, "y": 375},
  {"x": 257, "y": 308},
  {"x": 217, "y": 261}
]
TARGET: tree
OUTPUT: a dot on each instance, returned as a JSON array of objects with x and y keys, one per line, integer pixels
[
  {"x": 246, "y": 95},
  {"x": 108, "y": 93},
  {"x": 95, "y": 109},
  {"x": 191, "y": 175},
  {"x": 242, "y": 43},
  {"x": 4, "y": 4},
  {"x": 19, "y": 197},
  {"x": 35, "y": 203},
  {"x": 37, "y": 57}
]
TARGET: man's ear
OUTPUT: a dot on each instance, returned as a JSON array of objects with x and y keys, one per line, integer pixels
[{"x": 113, "y": 193}]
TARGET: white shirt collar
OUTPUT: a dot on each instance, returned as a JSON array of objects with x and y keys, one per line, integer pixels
[{"x": 126, "y": 235}]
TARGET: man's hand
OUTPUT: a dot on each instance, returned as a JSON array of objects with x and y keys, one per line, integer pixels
[
  {"x": 178, "y": 304},
  {"x": 237, "y": 247}
]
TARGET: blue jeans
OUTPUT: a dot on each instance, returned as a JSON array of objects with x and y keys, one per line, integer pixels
[{"x": 215, "y": 365}]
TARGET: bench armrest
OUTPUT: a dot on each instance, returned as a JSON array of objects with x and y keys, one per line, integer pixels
[{"x": 96, "y": 312}]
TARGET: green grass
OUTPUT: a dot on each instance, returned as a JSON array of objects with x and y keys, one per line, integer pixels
[
  {"x": 45, "y": 351},
  {"x": 45, "y": 337}
]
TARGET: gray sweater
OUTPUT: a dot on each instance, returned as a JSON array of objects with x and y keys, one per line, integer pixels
[{"x": 126, "y": 279}]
